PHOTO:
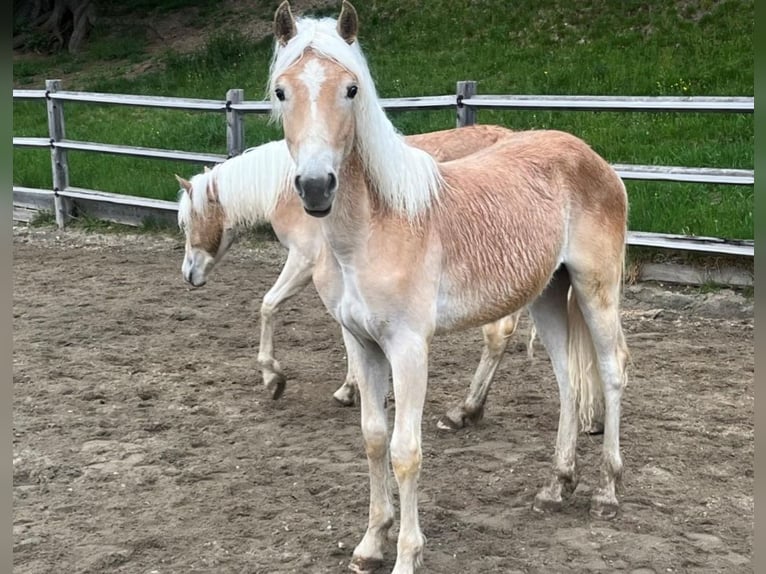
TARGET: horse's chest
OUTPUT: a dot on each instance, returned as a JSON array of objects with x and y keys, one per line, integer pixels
[
  {"x": 357, "y": 317},
  {"x": 354, "y": 311}
]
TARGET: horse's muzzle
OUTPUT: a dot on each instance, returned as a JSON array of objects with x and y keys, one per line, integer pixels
[
  {"x": 192, "y": 280},
  {"x": 317, "y": 193},
  {"x": 194, "y": 271}
]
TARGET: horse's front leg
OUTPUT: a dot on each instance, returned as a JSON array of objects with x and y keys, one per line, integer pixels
[
  {"x": 373, "y": 371},
  {"x": 471, "y": 410},
  {"x": 409, "y": 364},
  {"x": 295, "y": 275}
]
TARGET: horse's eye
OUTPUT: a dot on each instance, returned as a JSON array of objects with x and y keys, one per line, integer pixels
[
  {"x": 280, "y": 93},
  {"x": 351, "y": 92}
]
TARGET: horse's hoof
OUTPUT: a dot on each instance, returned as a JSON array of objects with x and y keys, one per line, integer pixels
[
  {"x": 543, "y": 504},
  {"x": 344, "y": 397},
  {"x": 447, "y": 424},
  {"x": 595, "y": 428},
  {"x": 454, "y": 419},
  {"x": 459, "y": 418},
  {"x": 276, "y": 385},
  {"x": 603, "y": 510},
  {"x": 344, "y": 401},
  {"x": 364, "y": 565}
]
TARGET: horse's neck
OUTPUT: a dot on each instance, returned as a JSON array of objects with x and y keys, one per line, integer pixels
[{"x": 252, "y": 186}]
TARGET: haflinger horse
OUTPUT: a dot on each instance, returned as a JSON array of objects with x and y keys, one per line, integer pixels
[
  {"x": 255, "y": 187},
  {"x": 418, "y": 247}
]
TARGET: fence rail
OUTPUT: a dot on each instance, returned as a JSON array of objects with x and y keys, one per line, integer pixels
[
  {"x": 65, "y": 200},
  {"x": 615, "y": 103},
  {"x": 739, "y": 104}
]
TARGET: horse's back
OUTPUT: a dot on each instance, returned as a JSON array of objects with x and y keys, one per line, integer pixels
[
  {"x": 538, "y": 173},
  {"x": 449, "y": 144}
]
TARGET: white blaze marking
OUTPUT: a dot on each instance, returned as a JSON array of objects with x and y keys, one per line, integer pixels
[
  {"x": 312, "y": 77},
  {"x": 315, "y": 156}
]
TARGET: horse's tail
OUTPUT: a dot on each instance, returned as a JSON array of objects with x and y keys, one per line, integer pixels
[
  {"x": 531, "y": 342},
  {"x": 584, "y": 378}
]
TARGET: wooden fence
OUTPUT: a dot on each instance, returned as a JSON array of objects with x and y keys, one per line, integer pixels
[{"x": 64, "y": 199}]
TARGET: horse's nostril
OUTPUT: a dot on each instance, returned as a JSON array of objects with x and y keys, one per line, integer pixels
[
  {"x": 298, "y": 185},
  {"x": 331, "y": 181}
]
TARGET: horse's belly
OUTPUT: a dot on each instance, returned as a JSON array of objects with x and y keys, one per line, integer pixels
[
  {"x": 470, "y": 297},
  {"x": 498, "y": 253},
  {"x": 467, "y": 309}
]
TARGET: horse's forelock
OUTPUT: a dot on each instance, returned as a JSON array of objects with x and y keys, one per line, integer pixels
[
  {"x": 193, "y": 201},
  {"x": 322, "y": 37},
  {"x": 199, "y": 193}
]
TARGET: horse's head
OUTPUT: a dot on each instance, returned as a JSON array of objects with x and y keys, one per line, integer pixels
[
  {"x": 208, "y": 236},
  {"x": 314, "y": 86}
]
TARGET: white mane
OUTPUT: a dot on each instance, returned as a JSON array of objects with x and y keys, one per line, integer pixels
[
  {"x": 249, "y": 185},
  {"x": 406, "y": 178}
]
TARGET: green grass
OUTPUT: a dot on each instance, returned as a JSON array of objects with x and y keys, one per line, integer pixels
[{"x": 606, "y": 47}]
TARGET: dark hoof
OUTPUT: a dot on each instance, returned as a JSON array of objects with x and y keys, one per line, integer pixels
[
  {"x": 364, "y": 565},
  {"x": 458, "y": 418},
  {"x": 344, "y": 402},
  {"x": 543, "y": 504},
  {"x": 276, "y": 385},
  {"x": 447, "y": 424},
  {"x": 595, "y": 428},
  {"x": 601, "y": 510}
]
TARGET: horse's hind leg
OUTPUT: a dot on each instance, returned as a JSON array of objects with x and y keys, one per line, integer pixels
[
  {"x": 471, "y": 410},
  {"x": 294, "y": 277},
  {"x": 598, "y": 300},
  {"x": 346, "y": 393},
  {"x": 549, "y": 313}
]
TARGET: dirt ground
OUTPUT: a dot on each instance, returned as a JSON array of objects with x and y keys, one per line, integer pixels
[{"x": 144, "y": 444}]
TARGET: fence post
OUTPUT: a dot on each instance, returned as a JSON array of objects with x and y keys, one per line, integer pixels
[
  {"x": 466, "y": 116},
  {"x": 235, "y": 127},
  {"x": 59, "y": 165}
]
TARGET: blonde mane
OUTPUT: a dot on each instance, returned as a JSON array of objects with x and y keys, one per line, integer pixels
[
  {"x": 406, "y": 178},
  {"x": 248, "y": 186}
]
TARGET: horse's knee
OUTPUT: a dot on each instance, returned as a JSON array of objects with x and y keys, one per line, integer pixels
[
  {"x": 267, "y": 309},
  {"x": 406, "y": 458},
  {"x": 375, "y": 439}
]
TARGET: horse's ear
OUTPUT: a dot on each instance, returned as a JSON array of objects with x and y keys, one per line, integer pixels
[
  {"x": 348, "y": 22},
  {"x": 184, "y": 183},
  {"x": 284, "y": 23},
  {"x": 207, "y": 169}
]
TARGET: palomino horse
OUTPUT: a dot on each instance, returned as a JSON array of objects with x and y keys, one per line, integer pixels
[
  {"x": 257, "y": 186},
  {"x": 417, "y": 247}
]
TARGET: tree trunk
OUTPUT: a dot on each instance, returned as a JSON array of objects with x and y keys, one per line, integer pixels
[
  {"x": 53, "y": 24},
  {"x": 84, "y": 14}
]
